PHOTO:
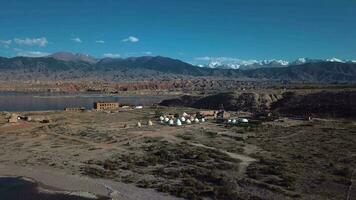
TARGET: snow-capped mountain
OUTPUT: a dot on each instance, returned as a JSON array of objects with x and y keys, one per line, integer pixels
[
  {"x": 233, "y": 63},
  {"x": 227, "y": 63},
  {"x": 335, "y": 60}
]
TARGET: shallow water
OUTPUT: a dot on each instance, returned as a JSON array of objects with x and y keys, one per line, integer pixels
[
  {"x": 12, "y": 101},
  {"x": 20, "y": 189}
]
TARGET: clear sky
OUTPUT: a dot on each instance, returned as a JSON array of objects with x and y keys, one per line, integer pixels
[{"x": 184, "y": 29}]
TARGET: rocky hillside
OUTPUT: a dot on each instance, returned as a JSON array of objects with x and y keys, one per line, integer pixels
[
  {"x": 184, "y": 101},
  {"x": 326, "y": 104},
  {"x": 232, "y": 101},
  {"x": 235, "y": 101}
]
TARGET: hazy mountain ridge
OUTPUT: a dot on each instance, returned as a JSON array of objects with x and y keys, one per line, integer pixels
[
  {"x": 67, "y": 56},
  {"x": 153, "y": 67},
  {"x": 310, "y": 72},
  {"x": 158, "y": 63}
]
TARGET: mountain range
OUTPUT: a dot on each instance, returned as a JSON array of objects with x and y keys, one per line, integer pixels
[
  {"x": 67, "y": 56},
  {"x": 68, "y": 66},
  {"x": 230, "y": 63}
]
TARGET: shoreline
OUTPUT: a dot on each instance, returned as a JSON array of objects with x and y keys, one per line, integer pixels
[
  {"x": 58, "y": 181},
  {"x": 138, "y": 93},
  {"x": 28, "y": 102},
  {"x": 42, "y": 188}
]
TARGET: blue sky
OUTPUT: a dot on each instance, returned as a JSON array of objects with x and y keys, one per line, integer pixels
[{"x": 183, "y": 29}]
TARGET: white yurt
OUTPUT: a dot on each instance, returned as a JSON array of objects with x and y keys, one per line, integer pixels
[
  {"x": 202, "y": 119},
  {"x": 139, "y": 124},
  {"x": 185, "y": 114},
  {"x": 161, "y": 118},
  {"x": 196, "y": 120},
  {"x": 229, "y": 121},
  {"x": 149, "y": 123},
  {"x": 234, "y": 121},
  {"x": 188, "y": 121},
  {"x": 244, "y": 120},
  {"x": 171, "y": 122},
  {"x": 182, "y": 119},
  {"x": 166, "y": 119},
  {"x": 178, "y": 122}
]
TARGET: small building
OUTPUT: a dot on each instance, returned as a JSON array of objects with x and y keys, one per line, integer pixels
[
  {"x": 45, "y": 121},
  {"x": 81, "y": 109},
  {"x": 139, "y": 107},
  {"x": 222, "y": 116},
  {"x": 206, "y": 114},
  {"x": 106, "y": 105},
  {"x": 13, "y": 119}
]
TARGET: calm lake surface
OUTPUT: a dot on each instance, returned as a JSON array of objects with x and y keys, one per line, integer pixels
[
  {"x": 14, "y": 101},
  {"x": 20, "y": 189}
]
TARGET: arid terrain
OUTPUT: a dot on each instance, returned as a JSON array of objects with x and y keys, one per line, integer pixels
[
  {"x": 106, "y": 153},
  {"x": 178, "y": 100}
]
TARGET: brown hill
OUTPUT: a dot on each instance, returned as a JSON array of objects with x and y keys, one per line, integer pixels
[
  {"x": 184, "y": 101},
  {"x": 236, "y": 101},
  {"x": 233, "y": 101},
  {"x": 325, "y": 103}
]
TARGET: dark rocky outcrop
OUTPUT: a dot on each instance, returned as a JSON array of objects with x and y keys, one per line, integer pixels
[
  {"x": 236, "y": 101},
  {"x": 184, "y": 101},
  {"x": 233, "y": 101},
  {"x": 325, "y": 104}
]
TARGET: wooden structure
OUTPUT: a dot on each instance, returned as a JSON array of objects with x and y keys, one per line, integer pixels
[{"x": 106, "y": 105}]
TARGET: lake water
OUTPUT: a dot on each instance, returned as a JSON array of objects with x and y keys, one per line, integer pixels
[
  {"x": 20, "y": 189},
  {"x": 13, "y": 101}
]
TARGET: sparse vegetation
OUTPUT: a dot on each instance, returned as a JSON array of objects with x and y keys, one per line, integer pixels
[
  {"x": 286, "y": 159},
  {"x": 200, "y": 172}
]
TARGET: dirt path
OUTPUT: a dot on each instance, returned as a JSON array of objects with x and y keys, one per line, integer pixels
[
  {"x": 349, "y": 192},
  {"x": 170, "y": 133},
  {"x": 245, "y": 160}
]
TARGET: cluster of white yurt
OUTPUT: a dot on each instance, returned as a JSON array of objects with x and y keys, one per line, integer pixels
[
  {"x": 185, "y": 119},
  {"x": 195, "y": 120},
  {"x": 237, "y": 121}
]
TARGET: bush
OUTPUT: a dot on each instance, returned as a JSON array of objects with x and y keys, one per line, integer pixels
[
  {"x": 343, "y": 171},
  {"x": 158, "y": 113}
]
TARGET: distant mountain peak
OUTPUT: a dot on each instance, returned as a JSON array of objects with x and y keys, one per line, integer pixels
[
  {"x": 68, "y": 56},
  {"x": 335, "y": 60},
  {"x": 233, "y": 63},
  {"x": 224, "y": 63}
]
